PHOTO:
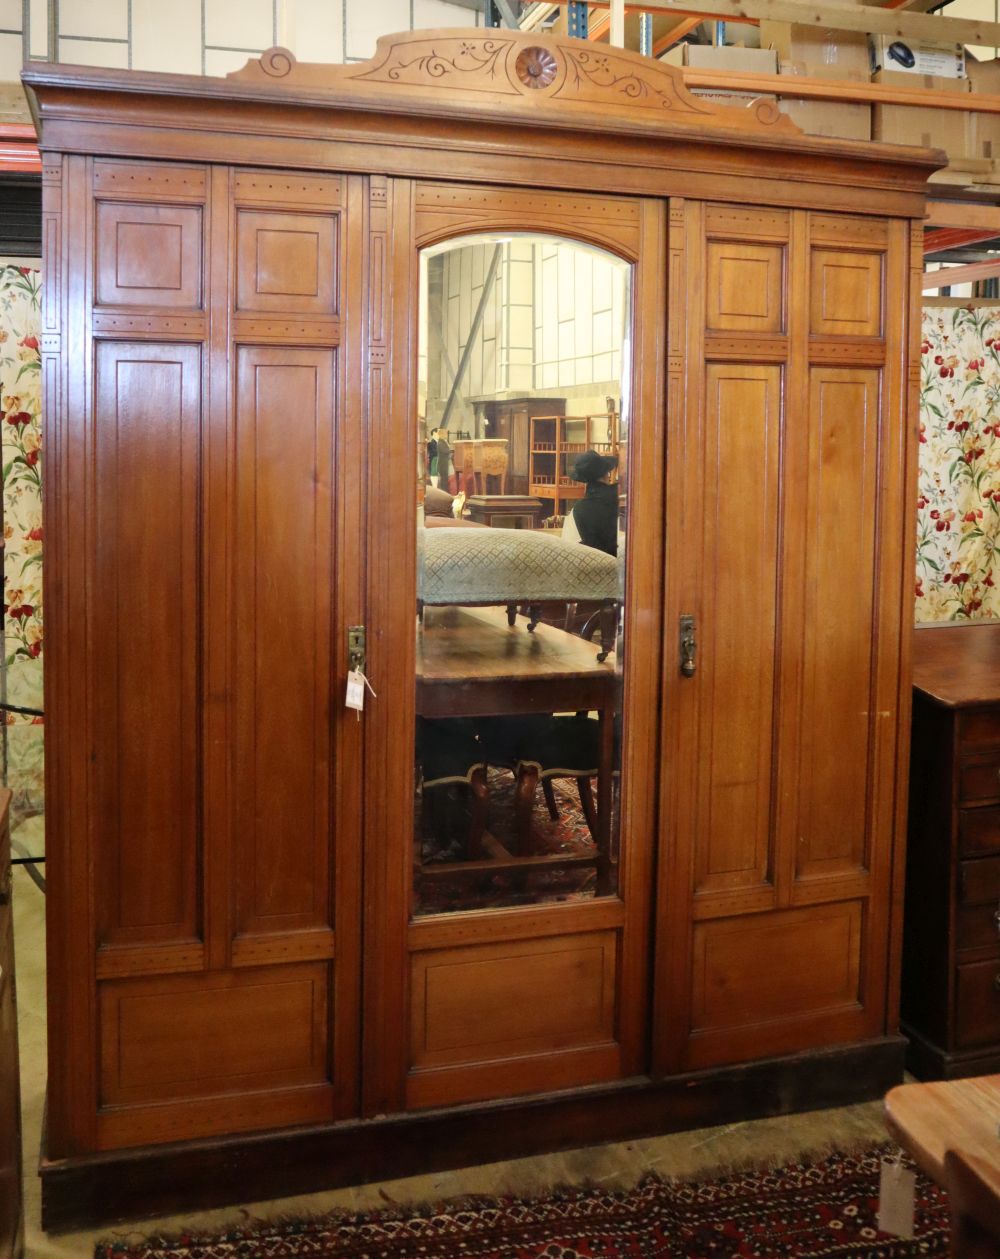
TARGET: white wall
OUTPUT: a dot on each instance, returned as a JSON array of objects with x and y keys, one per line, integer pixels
[
  {"x": 553, "y": 324},
  {"x": 211, "y": 36}
]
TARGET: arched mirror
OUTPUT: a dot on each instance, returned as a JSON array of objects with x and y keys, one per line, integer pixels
[{"x": 522, "y": 494}]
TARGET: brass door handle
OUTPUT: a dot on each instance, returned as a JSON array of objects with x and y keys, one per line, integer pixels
[{"x": 688, "y": 645}]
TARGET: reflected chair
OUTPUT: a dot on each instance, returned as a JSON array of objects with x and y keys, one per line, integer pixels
[
  {"x": 449, "y": 752},
  {"x": 540, "y": 747}
]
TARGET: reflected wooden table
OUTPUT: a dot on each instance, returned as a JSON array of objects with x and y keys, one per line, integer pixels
[
  {"x": 471, "y": 663},
  {"x": 927, "y": 1120}
]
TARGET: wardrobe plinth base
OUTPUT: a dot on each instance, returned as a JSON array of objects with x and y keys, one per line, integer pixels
[{"x": 119, "y": 1185}]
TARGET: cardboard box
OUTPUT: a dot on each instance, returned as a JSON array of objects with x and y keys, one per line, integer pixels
[
  {"x": 747, "y": 60},
  {"x": 946, "y": 129},
  {"x": 911, "y": 56},
  {"x": 726, "y": 57},
  {"x": 830, "y": 118},
  {"x": 984, "y": 78},
  {"x": 819, "y": 51}
]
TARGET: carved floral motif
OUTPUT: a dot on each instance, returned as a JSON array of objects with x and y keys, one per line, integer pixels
[
  {"x": 596, "y": 70},
  {"x": 475, "y": 63}
]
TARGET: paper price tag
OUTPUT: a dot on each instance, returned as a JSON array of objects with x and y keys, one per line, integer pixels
[
  {"x": 355, "y": 690},
  {"x": 897, "y": 1191}
]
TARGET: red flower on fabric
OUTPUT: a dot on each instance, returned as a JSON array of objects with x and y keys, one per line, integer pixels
[
  {"x": 19, "y": 417},
  {"x": 30, "y": 343},
  {"x": 942, "y": 526},
  {"x": 938, "y": 359},
  {"x": 31, "y": 458},
  {"x": 35, "y": 649},
  {"x": 20, "y": 613},
  {"x": 988, "y": 579},
  {"x": 960, "y": 579},
  {"x": 34, "y": 535}
]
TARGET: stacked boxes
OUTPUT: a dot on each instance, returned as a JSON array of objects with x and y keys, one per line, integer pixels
[
  {"x": 727, "y": 57},
  {"x": 823, "y": 54}
]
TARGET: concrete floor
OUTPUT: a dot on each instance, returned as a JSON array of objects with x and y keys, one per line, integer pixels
[{"x": 699, "y": 1153}]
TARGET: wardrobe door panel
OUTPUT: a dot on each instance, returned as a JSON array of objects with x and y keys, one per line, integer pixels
[
  {"x": 286, "y": 262},
  {"x": 193, "y": 1036},
  {"x": 147, "y": 444},
  {"x": 735, "y": 814},
  {"x": 838, "y": 709},
  {"x": 760, "y": 979},
  {"x": 846, "y": 294},
  {"x": 149, "y": 255},
  {"x": 779, "y": 783},
  {"x": 211, "y": 792},
  {"x": 508, "y": 898},
  {"x": 285, "y": 440},
  {"x": 744, "y": 287}
]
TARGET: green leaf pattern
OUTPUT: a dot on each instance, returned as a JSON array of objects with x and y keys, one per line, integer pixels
[{"x": 958, "y": 504}]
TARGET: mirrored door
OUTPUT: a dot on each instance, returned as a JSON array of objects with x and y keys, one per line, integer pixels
[{"x": 521, "y": 680}]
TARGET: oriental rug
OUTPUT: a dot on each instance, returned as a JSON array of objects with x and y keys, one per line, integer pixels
[{"x": 824, "y": 1208}]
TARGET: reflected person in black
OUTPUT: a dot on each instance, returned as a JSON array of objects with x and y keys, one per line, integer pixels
[{"x": 596, "y": 514}]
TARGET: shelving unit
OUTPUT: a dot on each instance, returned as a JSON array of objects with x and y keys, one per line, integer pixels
[{"x": 555, "y": 442}]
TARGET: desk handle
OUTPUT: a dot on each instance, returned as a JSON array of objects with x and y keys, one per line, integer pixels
[{"x": 688, "y": 645}]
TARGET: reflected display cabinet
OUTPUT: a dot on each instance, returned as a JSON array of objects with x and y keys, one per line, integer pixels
[{"x": 550, "y": 886}]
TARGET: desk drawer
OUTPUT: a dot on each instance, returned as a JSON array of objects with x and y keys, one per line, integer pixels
[
  {"x": 978, "y": 927},
  {"x": 979, "y": 779},
  {"x": 979, "y": 881},
  {"x": 977, "y": 1005},
  {"x": 979, "y": 727},
  {"x": 978, "y": 831}
]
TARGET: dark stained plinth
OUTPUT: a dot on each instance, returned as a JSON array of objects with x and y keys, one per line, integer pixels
[{"x": 130, "y": 1184}]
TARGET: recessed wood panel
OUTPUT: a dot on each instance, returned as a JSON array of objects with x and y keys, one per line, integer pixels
[
  {"x": 149, "y": 255},
  {"x": 204, "y": 1036},
  {"x": 845, "y": 294},
  {"x": 509, "y": 1000},
  {"x": 737, "y": 655},
  {"x": 744, "y": 287},
  {"x": 836, "y": 716},
  {"x": 776, "y": 966},
  {"x": 282, "y": 583},
  {"x": 286, "y": 262},
  {"x": 146, "y": 610}
]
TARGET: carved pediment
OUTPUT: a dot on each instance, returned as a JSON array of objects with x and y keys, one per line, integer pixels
[{"x": 522, "y": 72}]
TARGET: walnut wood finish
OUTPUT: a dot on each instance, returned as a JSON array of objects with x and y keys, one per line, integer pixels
[
  {"x": 232, "y": 302},
  {"x": 786, "y": 416},
  {"x": 951, "y": 940}
]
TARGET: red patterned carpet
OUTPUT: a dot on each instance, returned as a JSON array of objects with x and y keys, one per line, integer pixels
[{"x": 827, "y": 1208}]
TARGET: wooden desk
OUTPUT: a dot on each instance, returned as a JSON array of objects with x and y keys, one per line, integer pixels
[
  {"x": 962, "y": 1115},
  {"x": 471, "y": 663},
  {"x": 951, "y": 942},
  {"x": 478, "y": 459}
]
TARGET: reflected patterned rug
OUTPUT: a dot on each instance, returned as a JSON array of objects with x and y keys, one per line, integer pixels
[{"x": 824, "y": 1208}]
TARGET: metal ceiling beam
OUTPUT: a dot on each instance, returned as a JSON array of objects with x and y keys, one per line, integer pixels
[{"x": 505, "y": 11}]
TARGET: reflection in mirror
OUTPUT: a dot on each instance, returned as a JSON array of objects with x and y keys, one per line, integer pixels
[{"x": 522, "y": 432}]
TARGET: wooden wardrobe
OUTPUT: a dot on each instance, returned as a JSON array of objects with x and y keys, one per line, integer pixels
[{"x": 241, "y": 1003}]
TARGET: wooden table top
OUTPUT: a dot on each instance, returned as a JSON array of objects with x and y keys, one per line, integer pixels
[
  {"x": 958, "y": 665},
  {"x": 963, "y": 1115},
  {"x": 457, "y": 644}
]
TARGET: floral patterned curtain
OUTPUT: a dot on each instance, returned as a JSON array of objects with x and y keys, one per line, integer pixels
[
  {"x": 958, "y": 507},
  {"x": 20, "y": 413}
]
